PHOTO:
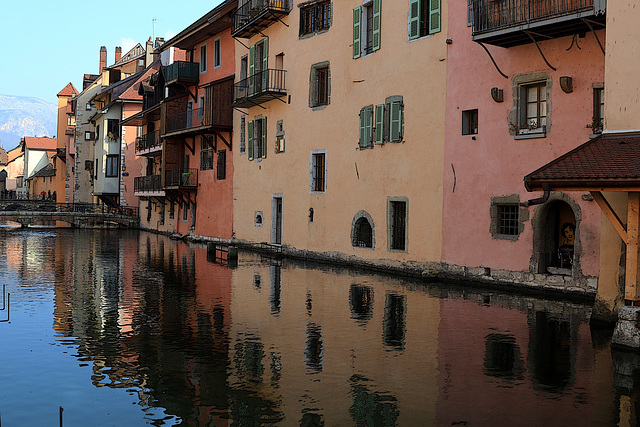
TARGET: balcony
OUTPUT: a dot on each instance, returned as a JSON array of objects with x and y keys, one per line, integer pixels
[
  {"x": 185, "y": 121},
  {"x": 178, "y": 178},
  {"x": 182, "y": 72},
  {"x": 255, "y": 15},
  {"x": 150, "y": 185},
  {"x": 259, "y": 88},
  {"x": 149, "y": 144},
  {"x": 509, "y": 23}
]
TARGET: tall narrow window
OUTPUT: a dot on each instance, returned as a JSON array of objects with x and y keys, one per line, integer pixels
[
  {"x": 203, "y": 58},
  {"x": 397, "y": 225},
  {"x": 206, "y": 152},
  {"x": 318, "y": 171},
  {"x": 243, "y": 135},
  {"x": 424, "y": 18},
  {"x": 201, "y": 106},
  {"x": 112, "y": 166},
  {"x": 598, "y": 110},
  {"x": 366, "y": 28},
  {"x": 217, "y": 56},
  {"x": 222, "y": 164},
  {"x": 323, "y": 80},
  {"x": 320, "y": 85},
  {"x": 257, "y": 138}
]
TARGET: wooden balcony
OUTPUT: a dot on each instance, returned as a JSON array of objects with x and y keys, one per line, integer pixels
[
  {"x": 259, "y": 88},
  {"x": 181, "y": 179},
  {"x": 189, "y": 120},
  {"x": 149, "y": 186},
  {"x": 182, "y": 72},
  {"x": 509, "y": 23},
  {"x": 149, "y": 144},
  {"x": 254, "y": 16}
]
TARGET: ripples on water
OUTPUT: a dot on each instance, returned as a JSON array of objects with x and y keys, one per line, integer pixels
[{"x": 121, "y": 328}]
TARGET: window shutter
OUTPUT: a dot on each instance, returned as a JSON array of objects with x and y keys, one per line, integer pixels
[
  {"x": 368, "y": 126},
  {"x": 379, "y": 130},
  {"x": 357, "y": 13},
  {"x": 250, "y": 149},
  {"x": 263, "y": 137},
  {"x": 377, "y": 23},
  {"x": 434, "y": 16},
  {"x": 252, "y": 70},
  {"x": 414, "y": 19},
  {"x": 265, "y": 65},
  {"x": 395, "y": 119},
  {"x": 361, "y": 142}
]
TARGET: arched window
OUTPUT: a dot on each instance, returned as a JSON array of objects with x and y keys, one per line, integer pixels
[{"x": 362, "y": 235}]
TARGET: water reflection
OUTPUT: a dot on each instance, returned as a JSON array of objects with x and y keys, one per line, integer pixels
[{"x": 191, "y": 341}]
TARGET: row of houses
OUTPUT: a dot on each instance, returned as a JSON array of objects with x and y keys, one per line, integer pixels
[{"x": 488, "y": 140}]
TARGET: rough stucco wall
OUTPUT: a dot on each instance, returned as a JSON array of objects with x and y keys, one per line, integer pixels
[
  {"x": 356, "y": 179},
  {"x": 494, "y": 164},
  {"x": 622, "y": 92},
  {"x": 129, "y": 163}
]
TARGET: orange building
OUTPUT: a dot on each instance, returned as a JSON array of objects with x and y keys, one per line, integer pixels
[
  {"x": 186, "y": 126},
  {"x": 65, "y": 135}
]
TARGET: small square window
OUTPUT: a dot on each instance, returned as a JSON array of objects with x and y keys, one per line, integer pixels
[
  {"x": 508, "y": 219},
  {"x": 470, "y": 122}
]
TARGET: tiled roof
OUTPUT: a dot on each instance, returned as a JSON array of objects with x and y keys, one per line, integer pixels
[
  {"x": 37, "y": 143},
  {"x": 45, "y": 171},
  {"x": 69, "y": 90},
  {"x": 610, "y": 160}
]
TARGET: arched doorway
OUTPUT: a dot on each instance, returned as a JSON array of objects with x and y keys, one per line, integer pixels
[{"x": 555, "y": 236}]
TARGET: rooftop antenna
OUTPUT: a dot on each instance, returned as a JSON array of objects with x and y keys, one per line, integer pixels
[{"x": 153, "y": 29}]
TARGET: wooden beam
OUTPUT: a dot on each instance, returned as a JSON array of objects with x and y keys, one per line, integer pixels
[
  {"x": 633, "y": 225},
  {"x": 223, "y": 140},
  {"x": 611, "y": 214}
]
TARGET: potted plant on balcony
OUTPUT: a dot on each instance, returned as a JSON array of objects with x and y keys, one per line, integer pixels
[{"x": 186, "y": 178}]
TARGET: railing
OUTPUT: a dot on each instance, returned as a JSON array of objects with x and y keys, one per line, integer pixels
[
  {"x": 186, "y": 120},
  {"x": 267, "y": 81},
  {"x": 149, "y": 101},
  {"x": 491, "y": 15},
  {"x": 178, "y": 177},
  {"x": 253, "y": 9},
  {"x": 50, "y": 206},
  {"x": 148, "y": 141},
  {"x": 149, "y": 183},
  {"x": 182, "y": 70}
]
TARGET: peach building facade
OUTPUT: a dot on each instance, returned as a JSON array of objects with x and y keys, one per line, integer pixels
[{"x": 340, "y": 144}]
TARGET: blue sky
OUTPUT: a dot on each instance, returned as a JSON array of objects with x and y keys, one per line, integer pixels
[{"x": 48, "y": 44}]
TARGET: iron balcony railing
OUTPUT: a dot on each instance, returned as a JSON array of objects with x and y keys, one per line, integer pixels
[
  {"x": 492, "y": 15},
  {"x": 149, "y": 183},
  {"x": 52, "y": 206},
  {"x": 179, "y": 177},
  {"x": 192, "y": 118},
  {"x": 260, "y": 87},
  {"x": 182, "y": 71},
  {"x": 148, "y": 142},
  {"x": 258, "y": 14}
]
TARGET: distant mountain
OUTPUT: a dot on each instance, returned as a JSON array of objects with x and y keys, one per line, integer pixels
[{"x": 22, "y": 116}]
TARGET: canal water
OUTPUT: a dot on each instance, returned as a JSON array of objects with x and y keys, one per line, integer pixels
[{"x": 123, "y": 328}]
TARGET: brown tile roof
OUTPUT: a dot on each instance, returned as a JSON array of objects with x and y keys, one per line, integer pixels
[
  {"x": 38, "y": 143},
  {"x": 69, "y": 90},
  {"x": 608, "y": 161}
]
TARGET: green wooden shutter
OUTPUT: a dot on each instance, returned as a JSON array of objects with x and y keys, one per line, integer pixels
[
  {"x": 379, "y": 130},
  {"x": 395, "y": 121},
  {"x": 357, "y": 13},
  {"x": 414, "y": 19},
  {"x": 250, "y": 131},
  {"x": 263, "y": 145},
  {"x": 265, "y": 65},
  {"x": 361, "y": 141},
  {"x": 252, "y": 69},
  {"x": 376, "y": 23},
  {"x": 434, "y": 16},
  {"x": 368, "y": 126}
]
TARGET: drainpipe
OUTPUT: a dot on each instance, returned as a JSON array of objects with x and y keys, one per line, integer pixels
[{"x": 537, "y": 201}]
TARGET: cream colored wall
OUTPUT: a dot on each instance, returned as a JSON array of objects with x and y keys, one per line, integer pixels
[
  {"x": 622, "y": 92},
  {"x": 609, "y": 294},
  {"x": 356, "y": 179}
]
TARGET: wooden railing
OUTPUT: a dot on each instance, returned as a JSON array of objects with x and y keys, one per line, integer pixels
[
  {"x": 178, "y": 177},
  {"x": 149, "y": 183},
  {"x": 148, "y": 141}
]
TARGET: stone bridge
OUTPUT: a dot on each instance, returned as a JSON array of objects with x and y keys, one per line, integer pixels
[{"x": 38, "y": 212}]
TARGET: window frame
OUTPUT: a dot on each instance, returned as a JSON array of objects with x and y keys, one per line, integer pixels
[
  {"x": 393, "y": 239},
  {"x": 207, "y": 153},
  {"x": 315, "y": 87},
  {"x": 424, "y": 18},
  {"x": 470, "y": 122},
  {"x": 200, "y": 113},
  {"x": 318, "y": 172},
  {"x": 112, "y": 162},
  {"x": 217, "y": 54},
  {"x": 203, "y": 58},
  {"x": 315, "y": 18},
  {"x": 366, "y": 127},
  {"x": 221, "y": 165},
  {"x": 518, "y": 126},
  {"x": 113, "y": 128},
  {"x": 367, "y": 28},
  {"x": 597, "y": 123},
  {"x": 496, "y": 217}
]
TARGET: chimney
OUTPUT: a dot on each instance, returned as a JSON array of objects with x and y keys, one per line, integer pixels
[
  {"x": 118, "y": 53},
  {"x": 148, "y": 58},
  {"x": 103, "y": 57}
]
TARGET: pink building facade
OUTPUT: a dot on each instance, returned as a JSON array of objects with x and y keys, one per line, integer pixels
[{"x": 512, "y": 106}]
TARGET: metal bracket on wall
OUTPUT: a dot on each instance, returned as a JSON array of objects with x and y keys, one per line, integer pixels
[
  {"x": 530, "y": 34},
  {"x": 492, "y": 60}
]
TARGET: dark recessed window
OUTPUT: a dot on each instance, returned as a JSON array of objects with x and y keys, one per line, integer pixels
[
  {"x": 314, "y": 18},
  {"x": 470, "y": 122},
  {"x": 508, "y": 219}
]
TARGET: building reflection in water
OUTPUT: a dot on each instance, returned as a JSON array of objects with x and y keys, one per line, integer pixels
[{"x": 206, "y": 344}]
